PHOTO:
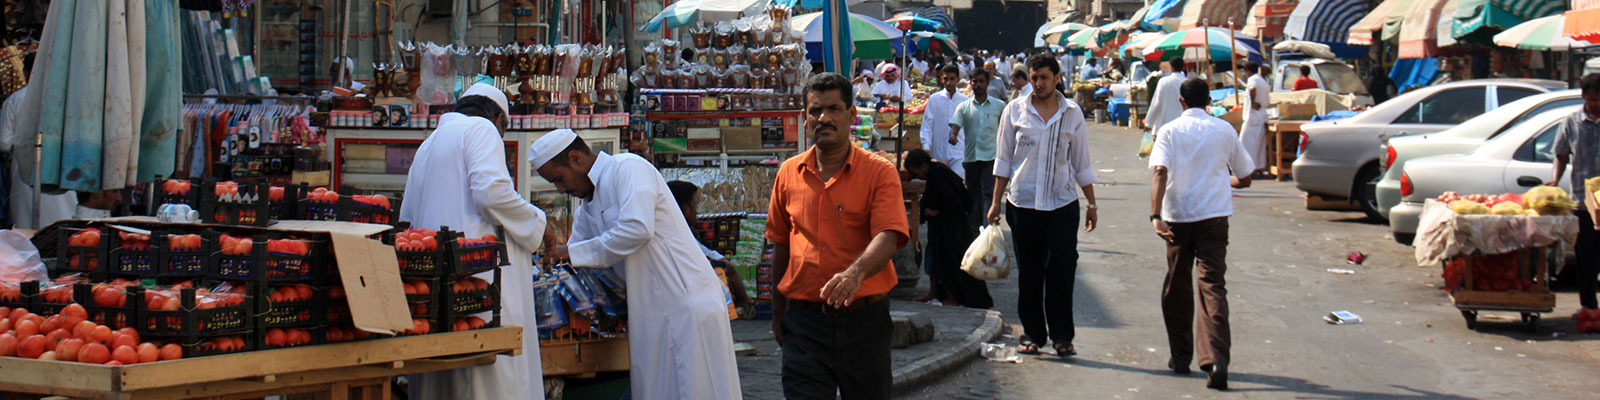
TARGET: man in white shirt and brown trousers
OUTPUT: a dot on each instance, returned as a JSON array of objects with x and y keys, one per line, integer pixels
[{"x": 1196, "y": 159}]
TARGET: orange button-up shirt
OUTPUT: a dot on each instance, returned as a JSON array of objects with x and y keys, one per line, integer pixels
[{"x": 827, "y": 225}]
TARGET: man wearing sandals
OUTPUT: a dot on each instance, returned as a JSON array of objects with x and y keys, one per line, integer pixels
[
  {"x": 1043, "y": 145},
  {"x": 1195, "y": 160}
]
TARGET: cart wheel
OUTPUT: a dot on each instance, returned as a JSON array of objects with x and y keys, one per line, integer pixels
[
  {"x": 1532, "y": 320},
  {"x": 1471, "y": 317}
]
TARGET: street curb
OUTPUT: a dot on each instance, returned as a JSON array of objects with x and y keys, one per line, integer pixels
[{"x": 948, "y": 359}]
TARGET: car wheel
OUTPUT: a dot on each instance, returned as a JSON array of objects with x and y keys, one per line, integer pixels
[
  {"x": 1366, "y": 192},
  {"x": 1405, "y": 238}
]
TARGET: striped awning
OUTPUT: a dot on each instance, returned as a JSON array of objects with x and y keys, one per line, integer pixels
[
  {"x": 1268, "y": 17},
  {"x": 1395, "y": 21},
  {"x": 1324, "y": 21},
  {"x": 1419, "y": 33},
  {"x": 1445, "y": 27},
  {"x": 1222, "y": 13},
  {"x": 1583, "y": 24},
  {"x": 1363, "y": 31},
  {"x": 1479, "y": 20},
  {"x": 1160, "y": 15}
]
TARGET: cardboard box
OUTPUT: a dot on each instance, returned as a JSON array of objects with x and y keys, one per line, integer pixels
[
  {"x": 365, "y": 151},
  {"x": 1297, "y": 112},
  {"x": 399, "y": 160},
  {"x": 741, "y": 138}
]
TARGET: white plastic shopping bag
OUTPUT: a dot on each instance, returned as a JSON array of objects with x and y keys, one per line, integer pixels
[{"x": 989, "y": 257}]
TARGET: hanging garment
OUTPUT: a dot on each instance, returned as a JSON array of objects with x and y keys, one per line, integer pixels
[
  {"x": 118, "y": 100},
  {"x": 23, "y": 212},
  {"x": 459, "y": 179},
  {"x": 42, "y": 110},
  {"x": 680, "y": 344},
  {"x": 162, "y": 92}
]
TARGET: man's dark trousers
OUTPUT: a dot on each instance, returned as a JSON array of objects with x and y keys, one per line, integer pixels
[
  {"x": 825, "y": 354},
  {"x": 1201, "y": 245}
]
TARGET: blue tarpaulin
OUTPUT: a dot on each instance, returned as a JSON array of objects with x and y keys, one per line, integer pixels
[{"x": 1413, "y": 72}]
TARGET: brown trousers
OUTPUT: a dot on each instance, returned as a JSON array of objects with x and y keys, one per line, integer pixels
[{"x": 1206, "y": 242}]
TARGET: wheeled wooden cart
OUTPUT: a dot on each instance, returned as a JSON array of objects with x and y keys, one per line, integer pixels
[
  {"x": 353, "y": 370},
  {"x": 1532, "y": 264}
]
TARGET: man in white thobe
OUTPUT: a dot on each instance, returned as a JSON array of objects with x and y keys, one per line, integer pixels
[
  {"x": 459, "y": 179},
  {"x": 679, "y": 342},
  {"x": 1164, "y": 107},
  {"x": 1253, "y": 134},
  {"x": 936, "y": 121}
]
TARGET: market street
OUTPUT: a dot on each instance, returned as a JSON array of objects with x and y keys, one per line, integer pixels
[{"x": 1413, "y": 343}]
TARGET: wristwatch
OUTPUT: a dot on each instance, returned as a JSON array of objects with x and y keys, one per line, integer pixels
[
  {"x": 1091, "y": 206},
  {"x": 1154, "y": 217}
]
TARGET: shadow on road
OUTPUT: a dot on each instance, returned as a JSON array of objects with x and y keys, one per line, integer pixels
[{"x": 1276, "y": 384}]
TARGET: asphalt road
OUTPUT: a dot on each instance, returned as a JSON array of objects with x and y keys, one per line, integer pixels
[{"x": 1413, "y": 343}]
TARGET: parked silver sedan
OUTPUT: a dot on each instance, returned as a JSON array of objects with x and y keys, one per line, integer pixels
[
  {"x": 1460, "y": 139},
  {"x": 1340, "y": 158},
  {"x": 1512, "y": 162}
]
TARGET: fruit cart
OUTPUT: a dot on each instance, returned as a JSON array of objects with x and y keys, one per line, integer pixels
[
  {"x": 359, "y": 370},
  {"x": 1495, "y": 262}
]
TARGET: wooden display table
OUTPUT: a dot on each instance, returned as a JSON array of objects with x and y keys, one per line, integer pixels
[
  {"x": 584, "y": 358},
  {"x": 912, "y": 191},
  {"x": 358, "y": 369},
  {"x": 1285, "y": 147}
]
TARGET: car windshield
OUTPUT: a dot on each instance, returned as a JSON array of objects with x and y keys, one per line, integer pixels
[{"x": 1339, "y": 78}]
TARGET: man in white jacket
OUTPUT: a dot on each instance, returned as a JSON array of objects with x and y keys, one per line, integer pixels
[
  {"x": 1164, "y": 107},
  {"x": 680, "y": 345},
  {"x": 936, "y": 121},
  {"x": 459, "y": 179}
]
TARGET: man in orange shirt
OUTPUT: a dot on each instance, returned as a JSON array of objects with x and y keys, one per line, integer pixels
[
  {"x": 836, "y": 216},
  {"x": 1305, "y": 82}
]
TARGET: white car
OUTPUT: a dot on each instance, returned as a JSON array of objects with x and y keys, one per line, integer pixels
[
  {"x": 1459, "y": 140},
  {"x": 1339, "y": 158},
  {"x": 1512, "y": 162}
]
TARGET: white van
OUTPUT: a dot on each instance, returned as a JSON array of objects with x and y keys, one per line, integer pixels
[{"x": 1332, "y": 76}]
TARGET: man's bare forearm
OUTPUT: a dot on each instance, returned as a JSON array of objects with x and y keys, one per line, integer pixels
[
  {"x": 1158, "y": 189},
  {"x": 877, "y": 255},
  {"x": 780, "y": 265}
]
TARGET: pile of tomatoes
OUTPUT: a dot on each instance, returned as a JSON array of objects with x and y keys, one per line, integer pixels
[
  {"x": 176, "y": 187},
  {"x": 470, "y": 284},
  {"x": 377, "y": 200},
  {"x": 183, "y": 242},
  {"x": 468, "y": 323},
  {"x": 70, "y": 336},
  {"x": 286, "y": 337},
  {"x": 88, "y": 237},
  {"x": 134, "y": 241},
  {"x": 323, "y": 195},
  {"x": 417, "y": 239},
  {"x": 336, "y": 334},
  {"x": 291, "y": 294}
]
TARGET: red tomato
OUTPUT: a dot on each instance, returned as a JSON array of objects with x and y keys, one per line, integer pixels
[
  {"x": 275, "y": 337},
  {"x": 171, "y": 351},
  {"x": 50, "y": 324},
  {"x": 475, "y": 323},
  {"x": 148, "y": 352},
  {"x": 101, "y": 334},
  {"x": 54, "y": 338},
  {"x": 31, "y": 346},
  {"x": 17, "y": 313},
  {"x": 125, "y": 355},
  {"x": 94, "y": 353},
  {"x": 460, "y": 325},
  {"x": 304, "y": 291},
  {"x": 68, "y": 349},
  {"x": 26, "y": 328},
  {"x": 83, "y": 330},
  {"x": 8, "y": 344}
]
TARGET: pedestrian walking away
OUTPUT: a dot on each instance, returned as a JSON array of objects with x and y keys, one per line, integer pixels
[
  {"x": 936, "y": 137},
  {"x": 1577, "y": 145},
  {"x": 1041, "y": 156},
  {"x": 835, "y": 217},
  {"x": 1258, "y": 95},
  {"x": 978, "y": 118},
  {"x": 945, "y": 205},
  {"x": 1164, "y": 106},
  {"x": 1195, "y": 160}
]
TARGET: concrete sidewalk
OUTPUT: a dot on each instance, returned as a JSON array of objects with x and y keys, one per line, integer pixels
[{"x": 959, "y": 332}]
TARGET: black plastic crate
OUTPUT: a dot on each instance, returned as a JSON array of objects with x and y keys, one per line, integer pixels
[
  {"x": 211, "y": 345},
  {"x": 468, "y": 257},
  {"x": 192, "y": 319},
  {"x": 287, "y": 206},
  {"x": 272, "y": 311},
  {"x": 164, "y": 194},
  {"x": 346, "y": 208},
  {"x": 468, "y": 300},
  {"x": 262, "y": 265},
  {"x": 337, "y": 309},
  {"x": 423, "y": 303},
  {"x": 38, "y": 302},
  {"x": 11, "y": 296},
  {"x": 249, "y": 207},
  {"x": 160, "y": 258},
  {"x": 116, "y": 316},
  {"x": 345, "y": 332},
  {"x": 423, "y": 263},
  {"x": 74, "y": 256},
  {"x": 266, "y": 339}
]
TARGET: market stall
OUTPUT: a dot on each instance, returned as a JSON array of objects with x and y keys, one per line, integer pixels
[{"x": 1497, "y": 251}]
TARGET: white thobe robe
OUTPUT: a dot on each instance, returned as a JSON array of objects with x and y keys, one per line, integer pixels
[
  {"x": 1253, "y": 133},
  {"x": 459, "y": 180},
  {"x": 52, "y": 207},
  {"x": 680, "y": 345},
  {"x": 936, "y": 130},
  {"x": 1164, "y": 107}
]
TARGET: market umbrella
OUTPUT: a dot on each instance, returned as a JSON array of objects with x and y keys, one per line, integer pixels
[
  {"x": 1038, "y": 35},
  {"x": 1138, "y": 41},
  {"x": 1539, "y": 34},
  {"x": 1084, "y": 39},
  {"x": 1216, "y": 42},
  {"x": 874, "y": 39},
  {"x": 914, "y": 23},
  {"x": 1059, "y": 33},
  {"x": 935, "y": 42},
  {"x": 686, "y": 12}
]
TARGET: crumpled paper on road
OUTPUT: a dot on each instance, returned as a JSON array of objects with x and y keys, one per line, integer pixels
[{"x": 1442, "y": 234}]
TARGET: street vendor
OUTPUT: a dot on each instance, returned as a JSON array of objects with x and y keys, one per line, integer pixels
[
  {"x": 891, "y": 87},
  {"x": 459, "y": 179},
  {"x": 680, "y": 343}
]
